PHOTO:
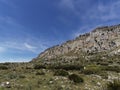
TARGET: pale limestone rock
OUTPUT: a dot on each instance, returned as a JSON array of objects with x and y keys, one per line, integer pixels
[{"x": 99, "y": 40}]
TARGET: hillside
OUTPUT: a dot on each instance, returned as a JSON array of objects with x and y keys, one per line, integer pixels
[{"x": 105, "y": 40}]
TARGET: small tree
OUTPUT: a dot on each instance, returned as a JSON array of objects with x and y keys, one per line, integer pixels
[{"x": 61, "y": 73}]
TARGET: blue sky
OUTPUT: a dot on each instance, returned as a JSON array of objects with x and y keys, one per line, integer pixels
[{"x": 28, "y": 27}]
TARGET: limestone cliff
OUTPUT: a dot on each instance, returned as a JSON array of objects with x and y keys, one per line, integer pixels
[{"x": 101, "y": 39}]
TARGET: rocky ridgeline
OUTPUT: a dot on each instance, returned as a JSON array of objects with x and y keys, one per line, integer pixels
[{"x": 101, "y": 39}]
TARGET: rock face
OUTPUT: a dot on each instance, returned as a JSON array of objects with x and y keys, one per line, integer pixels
[{"x": 102, "y": 39}]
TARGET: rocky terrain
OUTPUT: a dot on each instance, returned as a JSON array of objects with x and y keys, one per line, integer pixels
[{"x": 102, "y": 39}]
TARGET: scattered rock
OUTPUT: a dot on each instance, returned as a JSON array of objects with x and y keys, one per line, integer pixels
[
  {"x": 5, "y": 84},
  {"x": 98, "y": 84}
]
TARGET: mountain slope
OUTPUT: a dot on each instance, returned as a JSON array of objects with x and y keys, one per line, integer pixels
[{"x": 102, "y": 39}]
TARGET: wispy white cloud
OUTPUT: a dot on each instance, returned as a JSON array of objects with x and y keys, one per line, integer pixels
[
  {"x": 99, "y": 10},
  {"x": 24, "y": 46},
  {"x": 2, "y": 49},
  {"x": 30, "y": 47},
  {"x": 16, "y": 36},
  {"x": 104, "y": 12},
  {"x": 98, "y": 14}
]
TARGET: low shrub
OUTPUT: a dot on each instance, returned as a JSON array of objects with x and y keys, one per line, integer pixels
[
  {"x": 61, "y": 73},
  {"x": 69, "y": 67},
  {"x": 29, "y": 87},
  {"x": 22, "y": 76},
  {"x": 38, "y": 66},
  {"x": 7, "y": 63},
  {"x": 104, "y": 63},
  {"x": 39, "y": 82},
  {"x": 104, "y": 75},
  {"x": 115, "y": 85},
  {"x": 75, "y": 78},
  {"x": 12, "y": 76},
  {"x": 40, "y": 73},
  {"x": 3, "y": 67},
  {"x": 28, "y": 67},
  {"x": 112, "y": 68},
  {"x": 91, "y": 70}
]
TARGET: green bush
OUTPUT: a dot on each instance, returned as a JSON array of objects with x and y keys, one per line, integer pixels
[
  {"x": 7, "y": 63},
  {"x": 38, "y": 66},
  {"x": 104, "y": 75},
  {"x": 115, "y": 85},
  {"x": 91, "y": 70},
  {"x": 69, "y": 67},
  {"x": 61, "y": 73},
  {"x": 12, "y": 76},
  {"x": 40, "y": 73},
  {"x": 3, "y": 67},
  {"x": 28, "y": 67},
  {"x": 22, "y": 76},
  {"x": 29, "y": 87},
  {"x": 112, "y": 68},
  {"x": 103, "y": 63},
  {"x": 75, "y": 78}
]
